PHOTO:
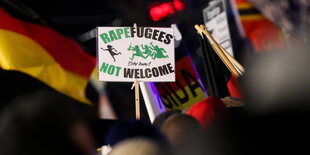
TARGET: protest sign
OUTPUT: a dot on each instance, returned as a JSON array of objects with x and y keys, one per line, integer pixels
[
  {"x": 216, "y": 21},
  {"x": 128, "y": 54}
]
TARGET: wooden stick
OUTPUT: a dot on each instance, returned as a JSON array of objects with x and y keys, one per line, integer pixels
[
  {"x": 232, "y": 60},
  {"x": 219, "y": 52},
  {"x": 137, "y": 98},
  {"x": 198, "y": 28}
]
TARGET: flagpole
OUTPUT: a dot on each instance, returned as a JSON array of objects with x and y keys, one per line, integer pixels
[
  {"x": 218, "y": 50},
  {"x": 233, "y": 60}
]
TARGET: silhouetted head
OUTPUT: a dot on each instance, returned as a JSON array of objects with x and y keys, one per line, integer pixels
[
  {"x": 180, "y": 128},
  {"x": 130, "y": 129},
  {"x": 277, "y": 112},
  {"x": 42, "y": 123},
  {"x": 137, "y": 146},
  {"x": 161, "y": 118},
  {"x": 277, "y": 81}
]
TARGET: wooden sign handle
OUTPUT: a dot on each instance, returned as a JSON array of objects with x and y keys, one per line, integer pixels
[{"x": 137, "y": 100}]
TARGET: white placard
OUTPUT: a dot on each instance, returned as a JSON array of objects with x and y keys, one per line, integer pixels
[
  {"x": 216, "y": 23},
  {"x": 135, "y": 53}
]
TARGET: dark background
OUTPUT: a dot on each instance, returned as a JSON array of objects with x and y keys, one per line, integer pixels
[{"x": 78, "y": 19}]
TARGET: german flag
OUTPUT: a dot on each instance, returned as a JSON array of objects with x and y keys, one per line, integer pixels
[
  {"x": 263, "y": 34},
  {"x": 46, "y": 55}
]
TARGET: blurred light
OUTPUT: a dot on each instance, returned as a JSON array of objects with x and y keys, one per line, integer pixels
[
  {"x": 161, "y": 11},
  {"x": 168, "y": 8},
  {"x": 158, "y": 12},
  {"x": 178, "y": 5}
]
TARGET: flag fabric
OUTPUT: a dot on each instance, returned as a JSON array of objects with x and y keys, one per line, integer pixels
[
  {"x": 291, "y": 16},
  {"x": 263, "y": 34},
  {"x": 187, "y": 88},
  {"x": 220, "y": 81},
  {"x": 44, "y": 54}
]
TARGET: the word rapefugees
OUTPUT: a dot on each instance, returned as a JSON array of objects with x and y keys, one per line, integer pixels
[{"x": 139, "y": 32}]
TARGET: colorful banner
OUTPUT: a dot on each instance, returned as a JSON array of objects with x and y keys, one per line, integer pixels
[
  {"x": 186, "y": 90},
  {"x": 135, "y": 53}
]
